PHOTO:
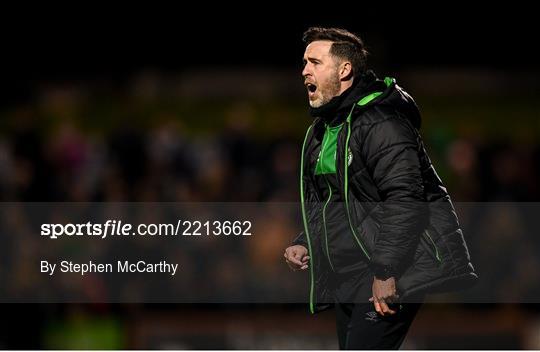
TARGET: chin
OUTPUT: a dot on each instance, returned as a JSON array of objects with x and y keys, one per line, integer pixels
[{"x": 315, "y": 103}]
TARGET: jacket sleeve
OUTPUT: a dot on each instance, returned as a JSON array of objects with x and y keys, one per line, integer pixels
[
  {"x": 390, "y": 151},
  {"x": 300, "y": 240}
]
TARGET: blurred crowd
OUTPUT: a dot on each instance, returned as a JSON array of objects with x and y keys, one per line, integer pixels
[
  {"x": 126, "y": 163},
  {"x": 56, "y": 148}
]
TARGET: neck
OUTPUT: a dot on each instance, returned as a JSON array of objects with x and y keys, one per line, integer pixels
[{"x": 345, "y": 85}]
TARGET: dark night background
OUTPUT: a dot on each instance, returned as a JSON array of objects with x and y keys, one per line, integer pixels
[{"x": 114, "y": 43}]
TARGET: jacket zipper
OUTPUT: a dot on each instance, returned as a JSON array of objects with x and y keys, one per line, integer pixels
[
  {"x": 434, "y": 246},
  {"x": 324, "y": 223},
  {"x": 346, "y": 184},
  {"x": 321, "y": 154}
]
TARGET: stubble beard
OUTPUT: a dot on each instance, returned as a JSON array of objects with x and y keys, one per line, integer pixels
[{"x": 327, "y": 91}]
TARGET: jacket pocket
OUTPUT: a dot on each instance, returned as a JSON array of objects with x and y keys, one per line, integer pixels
[{"x": 365, "y": 227}]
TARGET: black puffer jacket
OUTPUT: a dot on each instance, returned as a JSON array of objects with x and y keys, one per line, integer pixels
[{"x": 398, "y": 209}]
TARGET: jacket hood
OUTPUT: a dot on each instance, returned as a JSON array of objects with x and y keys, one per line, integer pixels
[{"x": 387, "y": 93}]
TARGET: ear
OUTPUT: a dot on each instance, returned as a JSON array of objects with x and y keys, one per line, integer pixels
[{"x": 345, "y": 70}]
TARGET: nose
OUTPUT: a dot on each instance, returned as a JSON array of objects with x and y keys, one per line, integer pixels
[{"x": 306, "y": 71}]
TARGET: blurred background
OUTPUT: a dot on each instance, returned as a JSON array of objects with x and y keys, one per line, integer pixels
[{"x": 177, "y": 106}]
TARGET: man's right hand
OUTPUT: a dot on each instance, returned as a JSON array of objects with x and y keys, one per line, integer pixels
[{"x": 297, "y": 258}]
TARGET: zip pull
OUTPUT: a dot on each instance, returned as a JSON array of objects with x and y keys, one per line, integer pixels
[{"x": 346, "y": 183}]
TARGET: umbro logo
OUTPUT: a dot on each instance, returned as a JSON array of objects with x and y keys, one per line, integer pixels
[{"x": 373, "y": 316}]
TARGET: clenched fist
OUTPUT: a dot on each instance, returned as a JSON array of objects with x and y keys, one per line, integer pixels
[{"x": 297, "y": 257}]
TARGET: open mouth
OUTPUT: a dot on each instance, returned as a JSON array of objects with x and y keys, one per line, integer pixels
[{"x": 311, "y": 87}]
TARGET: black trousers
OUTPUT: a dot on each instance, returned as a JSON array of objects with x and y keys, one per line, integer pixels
[{"x": 359, "y": 326}]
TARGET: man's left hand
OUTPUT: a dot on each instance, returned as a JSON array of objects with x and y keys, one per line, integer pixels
[{"x": 384, "y": 293}]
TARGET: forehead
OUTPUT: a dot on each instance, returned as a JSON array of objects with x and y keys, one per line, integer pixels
[{"x": 318, "y": 48}]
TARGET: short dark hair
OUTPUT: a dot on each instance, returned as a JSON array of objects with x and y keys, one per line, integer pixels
[{"x": 345, "y": 45}]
